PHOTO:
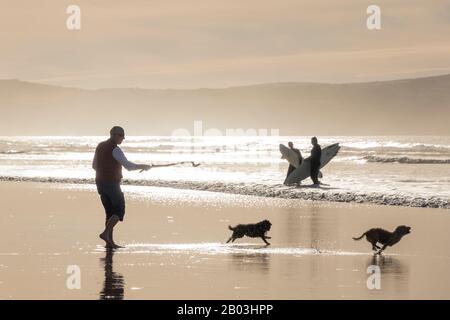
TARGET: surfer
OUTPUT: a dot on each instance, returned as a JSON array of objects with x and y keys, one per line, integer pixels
[
  {"x": 316, "y": 154},
  {"x": 107, "y": 163},
  {"x": 291, "y": 167}
]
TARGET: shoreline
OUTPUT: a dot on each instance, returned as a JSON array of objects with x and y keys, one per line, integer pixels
[{"x": 269, "y": 191}]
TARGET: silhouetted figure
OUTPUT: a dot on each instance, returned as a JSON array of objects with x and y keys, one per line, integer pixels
[
  {"x": 316, "y": 154},
  {"x": 113, "y": 286},
  {"x": 107, "y": 163},
  {"x": 291, "y": 167}
]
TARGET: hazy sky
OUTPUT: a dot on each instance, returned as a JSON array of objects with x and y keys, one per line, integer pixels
[{"x": 210, "y": 43}]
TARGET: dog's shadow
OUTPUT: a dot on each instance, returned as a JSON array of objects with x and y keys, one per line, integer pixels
[
  {"x": 395, "y": 274},
  {"x": 387, "y": 264},
  {"x": 258, "y": 262}
]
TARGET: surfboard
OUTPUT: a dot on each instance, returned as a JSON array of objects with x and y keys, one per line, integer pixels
[
  {"x": 289, "y": 155},
  {"x": 304, "y": 170}
]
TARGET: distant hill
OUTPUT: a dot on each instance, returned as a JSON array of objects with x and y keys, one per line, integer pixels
[{"x": 401, "y": 107}]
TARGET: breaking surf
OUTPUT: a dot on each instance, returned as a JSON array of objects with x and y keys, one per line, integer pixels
[{"x": 267, "y": 190}]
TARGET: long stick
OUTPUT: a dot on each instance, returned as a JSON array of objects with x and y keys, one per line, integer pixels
[{"x": 174, "y": 164}]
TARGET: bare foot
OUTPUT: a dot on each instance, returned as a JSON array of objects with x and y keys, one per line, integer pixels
[
  {"x": 103, "y": 237},
  {"x": 109, "y": 242}
]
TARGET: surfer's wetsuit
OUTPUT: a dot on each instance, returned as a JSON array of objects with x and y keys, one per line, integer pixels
[
  {"x": 316, "y": 153},
  {"x": 291, "y": 167}
]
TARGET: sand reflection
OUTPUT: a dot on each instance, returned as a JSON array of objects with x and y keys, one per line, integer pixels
[{"x": 113, "y": 285}]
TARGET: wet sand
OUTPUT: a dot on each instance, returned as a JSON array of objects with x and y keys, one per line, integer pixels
[{"x": 175, "y": 247}]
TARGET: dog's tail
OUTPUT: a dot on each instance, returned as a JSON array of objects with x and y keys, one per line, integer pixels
[
  {"x": 359, "y": 238},
  {"x": 231, "y": 228}
]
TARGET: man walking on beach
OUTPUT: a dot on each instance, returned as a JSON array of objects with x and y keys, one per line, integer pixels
[
  {"x": 316, "y": 154},
  {"x": 107, "y": 163},
  {"x": 291, "y": 167}
]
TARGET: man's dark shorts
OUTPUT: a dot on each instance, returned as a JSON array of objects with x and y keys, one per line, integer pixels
[{"x": 112, "y": 199}]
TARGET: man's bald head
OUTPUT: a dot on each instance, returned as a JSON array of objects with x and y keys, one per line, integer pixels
[{"x": 117, "y": 134}]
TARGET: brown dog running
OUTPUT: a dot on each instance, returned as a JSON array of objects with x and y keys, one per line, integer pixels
[
  {"x": 256, "y": 230},
  {"x": 386, "y": 238}
]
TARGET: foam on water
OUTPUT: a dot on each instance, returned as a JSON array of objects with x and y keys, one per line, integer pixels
[
  {"x": 274, "y": 191},
  {"x": 215, "y": 248},
  {"x": 406, "y": 160}
]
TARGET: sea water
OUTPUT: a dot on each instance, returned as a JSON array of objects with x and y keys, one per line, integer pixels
[{"x": 394, "y": 170}]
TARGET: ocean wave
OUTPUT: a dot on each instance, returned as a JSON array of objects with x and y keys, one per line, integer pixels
[
  {"x": 264, "y": 190},
  {"x": 406, "y": 160},
  {"x": 396, "y": 147},
  {"x": 14, "y": 152}
]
